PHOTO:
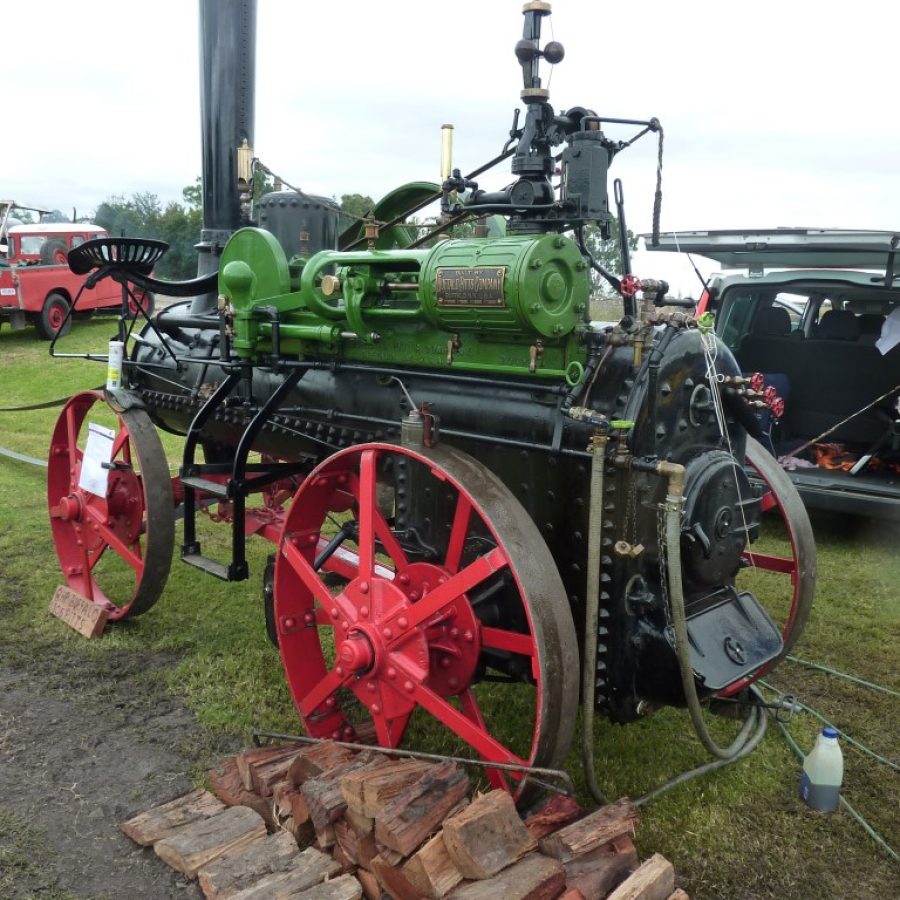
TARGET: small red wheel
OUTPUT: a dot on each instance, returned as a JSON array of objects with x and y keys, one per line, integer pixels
[
  {"x": 115, "y": 548},
  {"x": 419, "y": 624},
  {"x": 792, "y": 562}
]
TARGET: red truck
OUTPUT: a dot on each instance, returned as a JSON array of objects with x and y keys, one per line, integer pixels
[{"x": 36, "y": 284}]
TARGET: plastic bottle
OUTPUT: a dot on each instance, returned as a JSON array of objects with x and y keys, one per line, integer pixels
[
  {"x": 823, "y": 770},
  {"x": 114, "y": 366}
]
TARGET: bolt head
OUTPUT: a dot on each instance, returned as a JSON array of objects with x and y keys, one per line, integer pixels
[
  {"x": 391, "y": 672},
  {"x": 289, "y": 623},
  {"x": 408, "y": 686},
  {"x": 364, "y": 587},
  {"x": 413, "y": 595},
  {"x": 403, "y": 622},
  {"x": 376, "y": 708},
  {"x": 388, "y": 634},
  {"x": 334, "y": 612},
  {"x": 403, "y": 578},
  {"x": 364, "y": 611}
]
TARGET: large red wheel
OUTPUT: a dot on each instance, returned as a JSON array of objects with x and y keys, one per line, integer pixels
[
  {"x": 115, "y": 548},
  {"x": 418, "y": 625},
  {"x": 786, "y": 571}
]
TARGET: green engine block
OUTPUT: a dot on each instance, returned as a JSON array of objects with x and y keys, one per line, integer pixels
[{"x": 515, "y": 305}]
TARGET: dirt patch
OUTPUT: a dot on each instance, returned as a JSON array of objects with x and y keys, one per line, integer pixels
[{"x": 81, "y": 752}]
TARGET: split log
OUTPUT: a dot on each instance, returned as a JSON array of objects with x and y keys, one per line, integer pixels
[
  {"x": 198, "y": 844},
  {"x": 654, "y": 879},
  {"x": 291, "y": 813},
  {"x": 261, "y": 758},
  {"x": 596, "y": 873},
  {"x": 267, "y": 774},
  {"x": 559, "y": 810},
  {"x": 360, "y": 849},
  {"x": 316, "y": 759},
  {"x": 225, "y": 780},
  {"x": 325, "y": 839},
  {"x": 679, "y": 894},
  {"x": 535, "y": 877},
  {"x": 592, "y": 831},
  {"x": 161, "y": 821},
  {"x": 322, "y": 793},
  {"x": 431, "y": 870},
  {"x": 344, "y": 888},
  {"x": 572, "y": 894},
  {"x": 487, "y": 836},
  {"x": 371, "y": 885},
  {"x": 362, "y": 824},
  {"x": 310, "y": 869},
  {"x": 347, "y": 866},
  {"x": 417, "y": 811},
  {"x": 236, "y": 871},
  {"x": 389, "y": 857},
  {"x": 367, "y": 792},
  {"x": 394, "y": 882}
]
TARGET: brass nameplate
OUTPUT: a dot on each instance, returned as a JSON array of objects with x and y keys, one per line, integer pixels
[{"x": 475, "y": 286}]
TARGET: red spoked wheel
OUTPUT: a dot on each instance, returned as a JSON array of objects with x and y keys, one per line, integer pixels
[
  {"x": 791, "y": 559},
  {"x": 115, "y": 548},
  {"x": 419, "y": 624}
]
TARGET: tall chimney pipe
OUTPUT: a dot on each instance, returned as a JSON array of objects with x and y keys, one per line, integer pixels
[{"x": 227, "y": 98}]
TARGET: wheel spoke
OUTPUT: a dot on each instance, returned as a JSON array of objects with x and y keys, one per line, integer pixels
[
  {"x": 511, "y": 641},
  {"x": 475, "y": 735},
  {"x": 113, "y": 540},
  {"x": 389, "y": 731},
  {"x": 461, "y": 583},
  {"x": 470, "y": 708},
  {"x": 321, "y": 692},
  {"x": 120, "y": 441},
  {"x": 367, "y": 510},
  {"x": 458, "y": 532},
  {"x": 770, "y": 563},
  {"x": 306, "y": 573}
]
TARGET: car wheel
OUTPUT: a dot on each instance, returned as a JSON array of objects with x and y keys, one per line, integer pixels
[
  {"x": 54, "y": 253},
  {"x": 54, "y": 320}
]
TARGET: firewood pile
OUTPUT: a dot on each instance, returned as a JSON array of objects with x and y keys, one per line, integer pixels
[{"x": 321, "y": 822}]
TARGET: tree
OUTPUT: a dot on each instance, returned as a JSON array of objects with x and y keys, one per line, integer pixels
[{"x": 142, "y": 216}]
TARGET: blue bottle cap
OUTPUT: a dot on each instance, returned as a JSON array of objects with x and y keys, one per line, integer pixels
[{"x": 829, "y": 732}]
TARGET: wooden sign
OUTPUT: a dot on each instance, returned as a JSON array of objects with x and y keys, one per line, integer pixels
[{"x": 78, "y": 612}]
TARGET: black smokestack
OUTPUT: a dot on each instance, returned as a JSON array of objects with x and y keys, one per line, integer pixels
[{"x": 227, "y": 97}]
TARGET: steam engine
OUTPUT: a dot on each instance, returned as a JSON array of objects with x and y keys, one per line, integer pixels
[{"x": 450, "y": 401}]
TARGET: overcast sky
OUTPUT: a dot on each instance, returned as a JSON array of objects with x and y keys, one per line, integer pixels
[{"x": 775, "y": 113}]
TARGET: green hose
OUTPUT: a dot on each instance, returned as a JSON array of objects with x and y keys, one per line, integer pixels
[{"x": 674, "y": 503}]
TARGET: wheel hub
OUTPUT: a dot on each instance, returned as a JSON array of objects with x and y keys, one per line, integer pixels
[
  {"x": 70, "y": 508},
  {"x": 357, "y": 654}
]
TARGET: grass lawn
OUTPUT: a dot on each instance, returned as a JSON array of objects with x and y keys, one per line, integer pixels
[{"x": 738, "y": 833}]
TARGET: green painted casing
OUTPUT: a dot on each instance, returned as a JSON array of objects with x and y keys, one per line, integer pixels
[{"x": 512, "y": 305}]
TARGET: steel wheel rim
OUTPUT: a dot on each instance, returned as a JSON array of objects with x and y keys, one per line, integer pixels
[
  {"x": 56, "y": 316},
  {"x": 133, "y": 523},
  {"x": 800, "y": 567},
  {"x": 394, "y": 628}
]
